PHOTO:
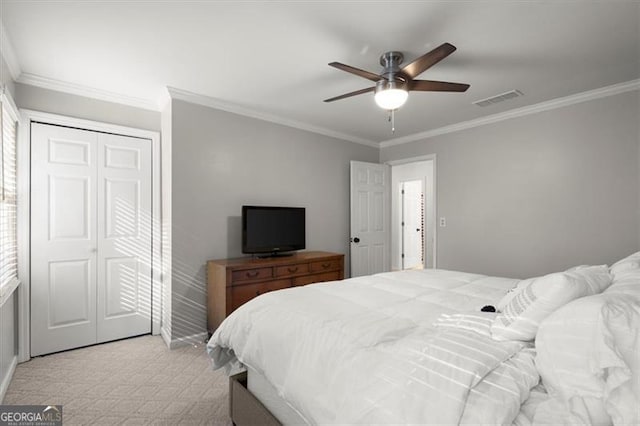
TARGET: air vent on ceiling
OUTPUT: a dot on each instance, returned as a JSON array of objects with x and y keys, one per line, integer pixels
[{"x": 498, "y": 98}]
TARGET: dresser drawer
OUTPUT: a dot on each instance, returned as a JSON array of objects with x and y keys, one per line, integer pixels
[
  {"x": 234, "y": 282},
  {"x": 317, "y": 278},
  {"x": 291, "y": 270},
  {"x": 252, "y": 274},
  {"x": 241, "y": 294},
  {"x": 326, "y": 265}
]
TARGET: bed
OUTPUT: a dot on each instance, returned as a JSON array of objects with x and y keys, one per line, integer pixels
[{"x": 414, "y": 347}]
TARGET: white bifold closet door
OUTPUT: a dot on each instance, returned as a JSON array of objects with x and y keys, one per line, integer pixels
[{"x": 91, "y": 228}]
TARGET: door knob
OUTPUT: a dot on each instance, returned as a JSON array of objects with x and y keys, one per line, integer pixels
[{"x": 356, "y": 240}]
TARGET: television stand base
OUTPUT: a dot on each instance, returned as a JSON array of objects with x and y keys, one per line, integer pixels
[{"x": 274, "y": 254}]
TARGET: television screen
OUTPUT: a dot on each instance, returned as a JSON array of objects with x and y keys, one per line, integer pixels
[{"x": 272, "y": 230}]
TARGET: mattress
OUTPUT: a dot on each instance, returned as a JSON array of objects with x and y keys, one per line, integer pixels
[
  {"x": 260, "y": 387},
  {"x": 374, "y": 350}
]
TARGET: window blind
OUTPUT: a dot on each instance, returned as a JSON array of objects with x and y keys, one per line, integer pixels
[{"x": 8, "y": 196}]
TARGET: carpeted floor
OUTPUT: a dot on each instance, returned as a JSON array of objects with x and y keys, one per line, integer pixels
[{"x": 136, "y": 381}]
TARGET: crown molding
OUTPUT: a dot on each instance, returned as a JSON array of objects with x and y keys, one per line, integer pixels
[
  {"x": 86, "y": 91},
  {"x": 519, "y": 112},
  {"x": 208, "y": 101},
  {"x": 164, "y": 99},
  {"x": 9, "y": 54}
]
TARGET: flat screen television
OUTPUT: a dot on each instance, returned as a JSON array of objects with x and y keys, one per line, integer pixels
[{"x": 271, "y": 231}]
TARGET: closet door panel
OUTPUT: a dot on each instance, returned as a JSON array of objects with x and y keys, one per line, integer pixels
[
  {"x": 124, "y": 237},
  {"x": 63, "y": 238}
]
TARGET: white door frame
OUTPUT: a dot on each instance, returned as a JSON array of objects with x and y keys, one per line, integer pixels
[
  {"x": 434, "y": 208},
  {"x": 24, "y": 215}
]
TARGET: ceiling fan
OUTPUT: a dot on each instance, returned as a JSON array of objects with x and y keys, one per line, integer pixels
[{"x": 393, "y": 84}]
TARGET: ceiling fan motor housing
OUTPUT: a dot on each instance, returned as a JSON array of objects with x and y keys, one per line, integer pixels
[
  {"x": 391, "y": 62},
  {"x": 392, "y": 74},
  {"x": 391, "y": 85}
]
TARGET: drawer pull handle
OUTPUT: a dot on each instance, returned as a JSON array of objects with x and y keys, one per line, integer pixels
[
  {"x": 326, "y": 265},
  {"x": 292, "y": 270},
  {"x": 252, "y": 274}
]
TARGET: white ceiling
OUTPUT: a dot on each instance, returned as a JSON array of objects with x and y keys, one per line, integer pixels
[{"x": 271, "y": 57}]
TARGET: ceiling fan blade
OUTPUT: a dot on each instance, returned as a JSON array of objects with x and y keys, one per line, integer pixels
[
  {"x": 427, "y": 60},
  {"x": 437, "y": 86},
  {"x": 348, "y": 95},
  {"x": 357, "y": 71}
]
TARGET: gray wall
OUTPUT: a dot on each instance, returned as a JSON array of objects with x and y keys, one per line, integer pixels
[
  {"x": 222, "y": 161},
  {"x": 54, "y": 102},
  {"x": 8, "y": 341},
  {"x": 539, "y": 193}
]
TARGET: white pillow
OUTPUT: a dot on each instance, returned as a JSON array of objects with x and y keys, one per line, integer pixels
[
  {"x": 520, "y": 318},
  {"x": 586, "y": 354},
  {"x": 565, "y": 345},
  {"x": 629, "y": 263},
  {"x": 597, "y": 277},
  {"x": 627, "y": 282},
  {"x": 621, "y": 318},
  {"x": 513, "y": 293},
  {"x": 626, "y": 266}
]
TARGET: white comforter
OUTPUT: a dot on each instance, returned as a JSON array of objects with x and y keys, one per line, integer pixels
[{"x": 365, "y": 350}]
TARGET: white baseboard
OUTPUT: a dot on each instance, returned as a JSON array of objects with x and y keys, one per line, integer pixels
[
  {"x": 165, "y": 336},
  {"x": 194, "y": 339},
  {"x": 7, "y": 378}
]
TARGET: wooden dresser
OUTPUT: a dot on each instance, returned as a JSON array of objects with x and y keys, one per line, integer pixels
[{"x": 233, "y": 282}]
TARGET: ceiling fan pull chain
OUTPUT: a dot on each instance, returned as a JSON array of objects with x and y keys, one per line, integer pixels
[{"x": 392, "y": 117}]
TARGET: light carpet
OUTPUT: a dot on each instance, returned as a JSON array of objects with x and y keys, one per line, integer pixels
[{"x": 135, "y": 381}]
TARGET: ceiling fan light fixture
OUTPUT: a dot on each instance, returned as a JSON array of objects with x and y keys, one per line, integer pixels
[{"x": 391, "y": 95}]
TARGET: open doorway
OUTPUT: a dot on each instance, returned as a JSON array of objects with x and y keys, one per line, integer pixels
[
  {"x": 413, "y": 238},
  {"x": 412, "y": 224}
]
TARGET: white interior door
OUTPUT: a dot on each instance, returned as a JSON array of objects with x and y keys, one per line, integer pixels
[
  {"x": 63, "y": 238},
  {"x": 369, "y": 218},
  {"x": 412, "y": 224},
  {"x": 90, "y": 237},
  {"x": 124, "y": 237}
]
